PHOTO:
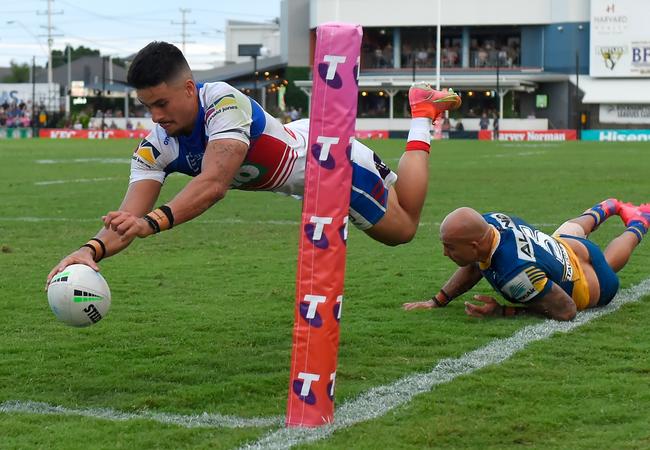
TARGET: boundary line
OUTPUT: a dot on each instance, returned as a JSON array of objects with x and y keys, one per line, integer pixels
[
  {"x": 187, "y": 421},
  {"x": 380, "y": 400},
  {"x": 77, "y": 180}
]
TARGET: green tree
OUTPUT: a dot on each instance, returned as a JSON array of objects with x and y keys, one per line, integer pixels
[
  {"x": 19, "y": 73},
  {"x": 60, "y": 57}
]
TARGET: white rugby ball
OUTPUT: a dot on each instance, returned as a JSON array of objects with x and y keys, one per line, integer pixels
[{"x": 79, "y": 296}]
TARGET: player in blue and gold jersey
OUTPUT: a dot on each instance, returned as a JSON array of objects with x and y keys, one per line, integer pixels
[{"x": 553, "y": 276}]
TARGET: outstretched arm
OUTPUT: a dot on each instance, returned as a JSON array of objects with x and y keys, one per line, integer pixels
[
  {"x": 138, "y": 200},
  {"x": 221, "y": 162},
  {"x": 556, "y": 304},
  {"x": 464, "y": 279}
]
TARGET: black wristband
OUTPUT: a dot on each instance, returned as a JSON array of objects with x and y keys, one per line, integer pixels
[
  {"x": 168, "y": 212},
  {"x": 92, "y": 248},
  {"x": 153, "y": 224},
  {"x": 448, "y": 297},
  {"x": 440, "y": 303},
  {"x": 102, "y": 245}
]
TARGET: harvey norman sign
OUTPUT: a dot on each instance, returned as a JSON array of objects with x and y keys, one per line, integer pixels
[{"x": 619, "y": 39}]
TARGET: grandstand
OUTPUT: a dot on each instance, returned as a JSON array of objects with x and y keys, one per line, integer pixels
[{"x": 536, "y": 66}]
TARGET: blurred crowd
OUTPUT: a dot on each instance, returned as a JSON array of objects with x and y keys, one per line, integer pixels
[
  {"x": 13, "y": 115},
  {"x": 487, "y": 53}
]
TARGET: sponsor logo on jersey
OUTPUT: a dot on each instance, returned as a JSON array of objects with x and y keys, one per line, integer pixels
[
  {"x": 146, "y": 153},
  {"x": 225, "y": 103},
  {"x": 520, "y": 288}
]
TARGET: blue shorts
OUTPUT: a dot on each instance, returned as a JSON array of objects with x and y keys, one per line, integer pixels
[
  {"x": 371, "y": 180},
  {"x": 607, "y": 278}
]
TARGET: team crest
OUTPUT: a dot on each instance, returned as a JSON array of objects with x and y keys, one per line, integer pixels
[{"x": 611, "y": 55}]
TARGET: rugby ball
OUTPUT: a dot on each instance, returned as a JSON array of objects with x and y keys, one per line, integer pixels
[{"x": 79, "y": 296}]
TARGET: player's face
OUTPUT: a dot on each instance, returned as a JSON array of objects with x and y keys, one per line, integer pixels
[
  {"x": 462, "y": 253},
  {"x": 172, "y": 105}
]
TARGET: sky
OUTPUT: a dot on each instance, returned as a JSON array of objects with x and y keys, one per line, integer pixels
[{"x": 120, "y": 27}]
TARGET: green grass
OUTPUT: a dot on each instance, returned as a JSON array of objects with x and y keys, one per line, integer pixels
[{"x": 202, "y": 315}]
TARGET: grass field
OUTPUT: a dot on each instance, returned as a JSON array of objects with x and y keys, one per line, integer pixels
[{"x": 202, "y": 315}]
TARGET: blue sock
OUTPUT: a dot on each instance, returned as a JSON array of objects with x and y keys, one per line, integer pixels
[
  {"x": 638, "y": 228},
  {"x": 599, "y": 213}
]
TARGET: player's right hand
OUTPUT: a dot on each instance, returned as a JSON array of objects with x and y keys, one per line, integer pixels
[
  {"x": 82, "y": 256},
  {"x": 427, "y": 304}
]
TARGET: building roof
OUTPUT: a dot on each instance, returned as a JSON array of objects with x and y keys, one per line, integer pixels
[
  {"x": 87, "y": 69},
  {"x": 231, "y": 71}
]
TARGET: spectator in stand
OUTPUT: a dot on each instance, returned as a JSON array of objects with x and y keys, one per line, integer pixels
[
  {"x": 459, "y": 125},
  {"x": 484, "y": 123}
]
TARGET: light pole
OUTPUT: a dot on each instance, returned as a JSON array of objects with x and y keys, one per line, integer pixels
[
  {"x": 253, "y": 50},
  {"x": 577, "y": 99}
]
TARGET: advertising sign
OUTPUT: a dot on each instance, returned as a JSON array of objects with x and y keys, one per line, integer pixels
[{"x": 619, "y": 39}]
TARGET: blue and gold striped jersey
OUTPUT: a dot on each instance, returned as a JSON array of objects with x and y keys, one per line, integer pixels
[{"x": 525, "y": 262}]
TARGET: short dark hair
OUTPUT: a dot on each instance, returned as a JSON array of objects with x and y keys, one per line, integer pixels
[{"x": 156, "y": 63}]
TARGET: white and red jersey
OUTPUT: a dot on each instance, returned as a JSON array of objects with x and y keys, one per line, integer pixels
[{"x": 276, "y": 154}]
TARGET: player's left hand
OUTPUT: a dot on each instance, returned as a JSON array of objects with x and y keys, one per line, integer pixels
[
  {"x": 428, "y": 304},
  {"x": 490, "y": 307},
  {"x": 127, "y": 225}
]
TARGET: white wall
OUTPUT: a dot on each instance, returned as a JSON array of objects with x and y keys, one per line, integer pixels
[
  {"x": 267, "y": 34},
  {"x": 294, "y": 25},
  {"x": 454, "y": 12}
]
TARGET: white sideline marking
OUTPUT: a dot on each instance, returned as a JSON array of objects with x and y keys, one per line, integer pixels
[
  {"x": 85, "y": 160},
  {"x": 186, "y": 421},
  {"x": 78, "y": 180},
  {"x": 509, "y": 155},
  {"x": 379, "y": 400}
]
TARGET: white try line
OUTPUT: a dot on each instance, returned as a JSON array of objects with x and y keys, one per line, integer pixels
[
  {"x": 379, "y": 400},
  {"x": 204, "y": 420},
  {"x": 78, "y": 180},
  {"x": 372, "y": 404}
]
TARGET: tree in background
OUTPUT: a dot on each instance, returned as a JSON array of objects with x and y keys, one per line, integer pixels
[
  {"x": 19, "y": 73},
  {"x": 60, "y": 57}
]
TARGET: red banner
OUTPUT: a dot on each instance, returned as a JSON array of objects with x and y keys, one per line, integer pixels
[
  {"x": 324, "y": 227},
  {"x": 529, "y": 135},
  {"x": 63, "y": 133}
]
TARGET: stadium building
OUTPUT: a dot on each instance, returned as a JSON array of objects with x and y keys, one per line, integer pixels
[
  {"x": 560, "y": 64},
  {"x": 540, "y": 64}
]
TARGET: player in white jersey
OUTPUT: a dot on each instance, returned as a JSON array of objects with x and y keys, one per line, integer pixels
[{"x": 225, "y": 140}]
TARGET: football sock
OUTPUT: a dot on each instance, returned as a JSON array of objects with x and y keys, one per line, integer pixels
[
  {"x": 600, "y": 213},
  {"x": 637, "y": 227},
  {"x": 419, "y": 137}
]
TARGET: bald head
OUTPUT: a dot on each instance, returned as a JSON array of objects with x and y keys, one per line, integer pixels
[
  {"x": 463, "y": 224},
  {"x": 465, "y": 236}
]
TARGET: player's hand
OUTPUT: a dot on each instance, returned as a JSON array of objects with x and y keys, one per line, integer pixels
[
  {"x": 428, "y": 304},
  {"x": 489, "y": 308},
  {"x": 127, "y": 225},
  {"x": 82, "y": 256}
]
